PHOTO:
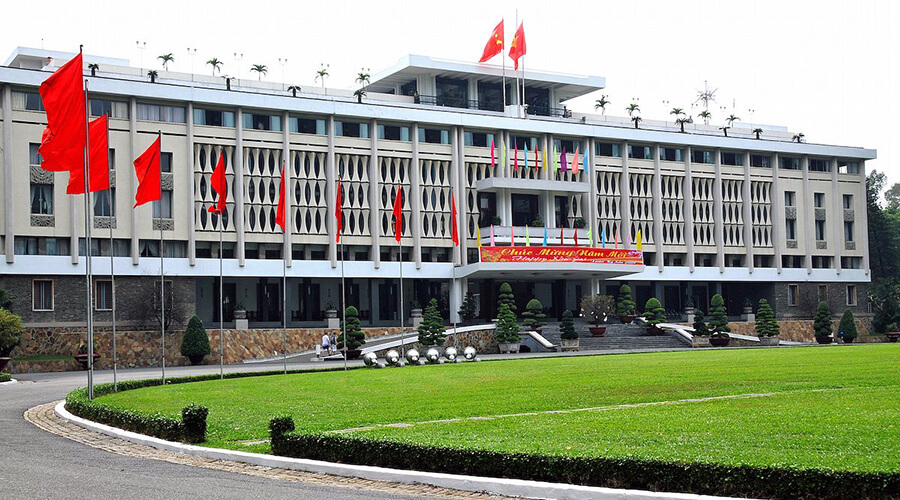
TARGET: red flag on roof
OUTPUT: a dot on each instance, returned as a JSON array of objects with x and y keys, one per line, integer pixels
[
  {"x": 517, "y": 47},
  {"x": 98, "y": 160},
  {"x": 219, "y": 184},
  {"x": 279, "y": 212},
  {"x": 62, "y": 143},
  {"x": 454, "y": 232},
  {"x": 398, "y": 213},
  {"x": 494, "y": 44},
  {"x": 147, "y": 170},
  {"x": 339, "y": 213}
]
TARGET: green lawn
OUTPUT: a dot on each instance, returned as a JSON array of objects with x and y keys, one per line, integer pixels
[{"x": 836, "y": 407}]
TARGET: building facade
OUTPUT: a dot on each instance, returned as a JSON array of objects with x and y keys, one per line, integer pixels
[{"x": 744, "y": 216}]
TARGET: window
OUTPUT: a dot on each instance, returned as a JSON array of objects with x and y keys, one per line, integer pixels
[
  {"x": 848, "y": 167},
  {"x": 821, "y": 262},
  {"x": 523, "y": 142},
  {"x": 27, "y": 101},
  {"x": 793, "y": 295},
  {"x": 479, "y": 139},
  {"x": 640, "y": 152},
  {"x": 102, "y": 205},
  {"x": 162, "y": 209},
  {"x": 393, "y": 133},
  {"x": 851, "y": 295},
  {"x": 42, "y": 199},
  {"x": 822, "y": 293},
  {"x": 789, "y": 197},
  {"x": 351, "y": 129},
  {"x": 819, "y": 165},
  {"x": 165, "y": 162},
  {"x": 307, "y": 126},
  {"x": 452, "y": 92},
  {"x": 42, "y": 294},
  {"x": 820, "y": 230},
  {"x": 213, "y": 118},
  {"x": 761, "y": 161},
  {"x": 256, "y": 121},
  {"x": 112, "y": 109},
  {"x": 567, "y": 145},
  {"x": 701, "y": 156},
  {"x": 790, "y": 229},
  {"x": 792, "y": 261},
  {"x": 160, "y": 113},
  {"x": 607, "y": 149},
  {"x": 434, "y": 136},
  {"x": 851, "y": 262},
  {"x": 819, "y": 200},
  {"x": 34, "y": 158},
  {"x": 24, "y": 245},
  {"x": 848, "y": 230},
  {"x": 736, "y": 159},
  {"x": 789, "y": 163},
  {"x": 848, "y": 202},
  {"x": 103, "y": 295},
  {"x": 671, "y": 154}
]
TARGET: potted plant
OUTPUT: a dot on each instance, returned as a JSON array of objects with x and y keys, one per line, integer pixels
[
  {"x": 822, "y": 324},
  {"x": 351, "y": 334},
  {"x": 507, "y": 332},
  {"x": 625, "y": 306},
  {"x": 240, "y": 312},
  {"x": 469, "y": 308},
  {"x": 598, "y": 308},
  {"x": 747, "y": 311},
  {"x": 505, "y": 296},
  {"x": 496, "y": 220},
  {"x": 767, "y": 328},
  {"x": 82, "y": 356},
  {"x": 11, "y": 332},
  {"x": 195, "y": 342},
  {"x": 701, "y": 331},
  {"x": 579, "y": 223},
  {"x": 718, "y": 322},
  {"x": 330, "y": 310},
  {"x": 568, "y": 338},
  {"x": 654, "y": 314},
  {"x": 431, "y": 329},
  {"x": 538, "y": 222},
  {"x": 892, "y": 332},
  {"x": 534, "y": 314},
  {"x": 689, "y": 309},
  {"x": 847, "y": 327}
]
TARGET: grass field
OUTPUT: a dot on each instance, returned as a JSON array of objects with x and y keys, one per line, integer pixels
[{"x": 832, "y": 407}]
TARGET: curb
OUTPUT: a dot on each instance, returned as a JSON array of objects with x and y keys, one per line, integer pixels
[
  {"x": 499, "y": 486},
  {"x": 10, "y": 382}
]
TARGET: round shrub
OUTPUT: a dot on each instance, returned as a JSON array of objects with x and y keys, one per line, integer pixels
[
  {"x": 431, "y": 329},
  {"x": 534, "y": 313},
  {"x": 352, "y": 334},
  {"x": 847, "y": 328},
  {"x": 625, "y": 305},
  {"x": 654, "y": 313},
  {"x": 718, "y": 317},
  {"x": 567, "y": 327},
  {"x": 822, "y": 321},
  {"x": 195, "y": 341},
  {"x": 507, "y": 331},
  {"x": 11, "y": 331},
  {"x": 700, "y": 328},
  {"x": 506, "y": 297},
  {"x": 766, "y": 326}
]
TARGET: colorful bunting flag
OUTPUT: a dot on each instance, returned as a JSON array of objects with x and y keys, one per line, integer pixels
[
  {"x": 527, "y": 238},
  {"x": 575, "y": 162},
  {"x": 492, "y": 236},
  {"x": 640, "y": 245}
]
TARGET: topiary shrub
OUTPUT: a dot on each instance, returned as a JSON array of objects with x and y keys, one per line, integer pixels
[
  {"x": 11, "y": 331},
  {"x": 193, "y": 419},
  {"x": 431, "y": 329},
  {"x": 822, "y": 321},
  {"x": 351, "y": 333},
  {"x": 507, "y": 331},
  {"x": 195, "y": 342},
  {"x": 506, "y": 297},
  {"x": 700, "y": 328},
  {"x": 847, "y": 328},
  {"x": 766, "y": 326},
  {"x": 567, "y": 327},
  {"x": 718, "y": 317},
  {"x": 469, "y": 307},
  {"x": 654, "y": 313},
  {"x": 534, "y": 313},
  {"x": 625, "y": 304}
]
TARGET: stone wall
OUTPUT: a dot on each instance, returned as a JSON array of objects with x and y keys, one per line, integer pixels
[
  {"x": 482, "y": 340},
  {"x": 836, "y": 297},
  {"x": 802, "y": 330}
]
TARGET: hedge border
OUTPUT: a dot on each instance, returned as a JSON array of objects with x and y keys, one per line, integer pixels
[
  {"x": 190, "y": 428},
  {"x": 5, "y": 377},
  {"x": 627, "y": 473}
]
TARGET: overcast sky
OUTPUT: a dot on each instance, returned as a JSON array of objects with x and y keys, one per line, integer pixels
[{"x": 826, "y": 68}]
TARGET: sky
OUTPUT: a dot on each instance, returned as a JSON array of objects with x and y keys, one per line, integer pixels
[{"x": 829, "y": 69}]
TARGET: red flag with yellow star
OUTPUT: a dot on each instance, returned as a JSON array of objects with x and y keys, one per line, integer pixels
[
  {"x": 494, "y": 44},
  {"x": 517, "y": 47}
]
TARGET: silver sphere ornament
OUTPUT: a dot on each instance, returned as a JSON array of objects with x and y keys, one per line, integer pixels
[
  {"x": 450, "y": 353},
  {"x": 469, "y": 353},
  {"x": 432, "y": 355},
  {"x": 412, "y": 356},
  {"x": 370, "y": 358},
  {"x": 392, "y": 357}
]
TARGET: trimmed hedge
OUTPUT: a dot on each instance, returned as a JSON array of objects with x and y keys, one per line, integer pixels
[
  {"x": 5, "y": 377},
  {"x": 629, "y": 473}
]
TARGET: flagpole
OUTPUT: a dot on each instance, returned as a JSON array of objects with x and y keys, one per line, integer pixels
[
  {"x": 344, "y": 299},
  {"x": 284, "y": 312},
  {"x": 221, "y": 299},
  {"x": 402, "y": 336},
  {"x": 87, "y": 244},
  {"x": 518, "y": 94},
  {"x": 503, "y": 77},
  {"x": 162, "y": 280},
  {"x": 112, "y": 275}
]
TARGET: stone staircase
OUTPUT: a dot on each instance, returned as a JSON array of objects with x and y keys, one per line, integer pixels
[{"x": 618, "y": 336}]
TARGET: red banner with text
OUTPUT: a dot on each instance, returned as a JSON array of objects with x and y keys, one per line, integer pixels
[{"x": 562, "y": 254}]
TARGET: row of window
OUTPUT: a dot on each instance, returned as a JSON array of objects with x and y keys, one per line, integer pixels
[
  {"x": 850, "y": 296},
  {"x": 790, "y": 200},
  {"x": 43, "y": 294}
]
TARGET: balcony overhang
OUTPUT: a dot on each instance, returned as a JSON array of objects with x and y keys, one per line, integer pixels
[
  {"x": 531, "y": 185},
  {"x": 546, "y": 270}
]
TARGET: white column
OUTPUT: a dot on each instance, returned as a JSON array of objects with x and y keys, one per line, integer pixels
[
  {"x": 746, "y": 209},
  {"x": 135, "y": 244},
  {"x": 592, "y": 203},
  {"x": 719, "y": 213},
  {"x": 863, "y": 220},
  {"x": 837, "y": 214},
  {"x": 809, "y": 215},
  {"x": 456, "y": 297},
  {"x": 777, "y": 214},
  {"x": 9, "y": 206},
  {"x": 287, "y": 250},
  {"x": 656, "y": 186},
  {"x": 415, "y": 196},
  {"x": 237, "y": 159},
  {"x": 687, "y": 209},
  {"x": 625, "y": 201},
  {"x": 374, "y": 195},
  {"x": 191, "y": 210},
  {"x": 454, "y": 192},
  {"x": 330, "y": 193},
  {"x": 462, "y": 199}
]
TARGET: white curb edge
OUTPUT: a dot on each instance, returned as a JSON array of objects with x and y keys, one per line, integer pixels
[
  {"x": 10, "y": 382},
  {"x": 500, "y": 486}
]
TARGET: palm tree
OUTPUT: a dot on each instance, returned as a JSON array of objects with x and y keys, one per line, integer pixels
[
  {"x": 216, "y": 65},
  {"x": 152, "y": 74},
  {"x": 363, "y": 78},
  {"x": 322, "y": 74},
  {"x": 293, "y": 89},
  {"x": 636, "y": 119},
  {"x": 601, "y": 104},
  {"x": 798, "y": 137},
  {"x": 261, "y": 69},
  {"x": 166, "y": 59},
  {"x": 93, "y": 67},
  {"x": 632, "y": 108},
  {"x": 359, "y": 94},
  {"x": 681, "y": 121},
  {"x": 677, "y": 112},
  {"x": 757, "y": 131},
  {"x": 731, "y": 119},
  {"x": 706, "y": 115}
]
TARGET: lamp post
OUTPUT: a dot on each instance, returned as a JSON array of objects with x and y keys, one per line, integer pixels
[
  {"x": 283, "y": 63},
  {"x": 192, "y": 52},
  {"x": 238, "y": 59},
  {"x": 141, "y": 46}
]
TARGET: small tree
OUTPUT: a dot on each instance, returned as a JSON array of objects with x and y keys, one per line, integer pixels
[
  {"x": 625, "y": 305},
  {"x": 534, "y": 313},
  {"x": 766, "y": 326},
  {"x": 567, "y": 327},
  {"x": 195, "y": 342},
  {"x": 507, "y": 328},
  {"x": 598, "y": 307},
  {"x": 469, "y": 307},
  {"x": 700, "y": 328},
  {"x": 654, "y": 312},
  {"x": 506, "y": 297},
  {"x": 847, "y": 328},
  {"x": 431, "y": 330},
  {"x": 718, "y": 318},
  {"x": 822, "y": 321},
  {"x": 351, "y": 333},
  {"x": 11, "y": 331}
]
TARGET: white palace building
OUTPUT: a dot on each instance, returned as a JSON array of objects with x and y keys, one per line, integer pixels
[{"x": 747, "y": 217}]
